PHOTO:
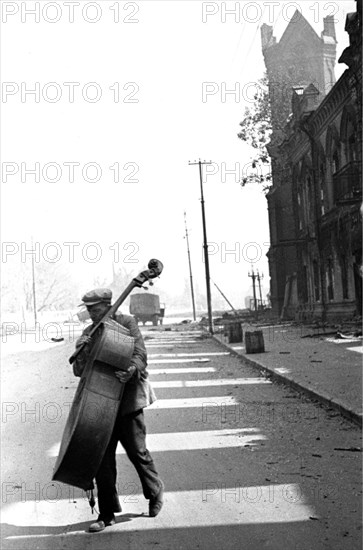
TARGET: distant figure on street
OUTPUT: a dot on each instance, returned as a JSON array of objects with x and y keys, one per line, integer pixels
[{"x": 129, "y": 426}]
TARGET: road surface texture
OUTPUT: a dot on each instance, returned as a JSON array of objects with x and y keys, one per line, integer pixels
[
  {"x": 247, "y": 463},
  {"x": 325, "y": 366}
]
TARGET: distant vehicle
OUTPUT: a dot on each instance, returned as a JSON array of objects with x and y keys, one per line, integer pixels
[
  {"x": 81, "y": 315},
  {"x": 147, "y": 307}
]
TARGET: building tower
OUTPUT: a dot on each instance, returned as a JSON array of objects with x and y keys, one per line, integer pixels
[{"x": 300, "y": 60}]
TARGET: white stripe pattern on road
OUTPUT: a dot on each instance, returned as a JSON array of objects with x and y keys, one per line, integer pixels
[
  {"x": 185, "y": 402},
  {"x": 181, "y": 370},
  {"x": 209, "y": 439},
  {"x": 257, "y": 505},
  {"x": 358, "y": 349},
  {"x": 196, "y": 360},
  {"x": 192, "y": 354},
  {"x": 343, "y": 340},
  {"x": 158, "y": 342},
  {"x": 164, "y": 344},
  {"x": 214, "y": 382},
  {"x": 188, "y": 441}
]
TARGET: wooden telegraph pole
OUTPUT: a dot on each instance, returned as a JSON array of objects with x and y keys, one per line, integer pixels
[
  {"x": 190, "y": 265},
  {"x": 259, "y": 277},
  {"x": 205, "y": 244},
  {"x": 254, "y": 277}
]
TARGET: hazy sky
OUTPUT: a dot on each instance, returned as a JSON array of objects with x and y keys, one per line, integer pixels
[{"x": 119, "y": 93}]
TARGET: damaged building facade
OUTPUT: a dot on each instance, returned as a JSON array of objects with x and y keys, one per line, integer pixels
[{"x": 314, "y": 204}]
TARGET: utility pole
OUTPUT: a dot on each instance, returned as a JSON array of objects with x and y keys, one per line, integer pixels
[
  {"x": 225, "y": 297},
  {"x": 254, "y": 277},
  {"x": 34, "y": 297},
  {"x": 190, "y": 265},
  {"x": 205, "y": 244},
  {"x": 259, "y": 277}
]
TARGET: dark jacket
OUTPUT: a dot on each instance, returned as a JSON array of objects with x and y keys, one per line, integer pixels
[{"x": 138, "y": 392}]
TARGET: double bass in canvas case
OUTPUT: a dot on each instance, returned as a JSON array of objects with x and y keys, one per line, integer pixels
[{"x": 95, "y": 405}]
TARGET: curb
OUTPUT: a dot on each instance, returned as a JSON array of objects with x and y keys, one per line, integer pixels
[{"x": 325, "y": 399}]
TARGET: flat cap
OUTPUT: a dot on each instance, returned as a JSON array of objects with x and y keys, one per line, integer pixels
[{"x": 96, "y": 296}]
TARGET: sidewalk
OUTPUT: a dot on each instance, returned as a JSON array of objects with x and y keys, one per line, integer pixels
[{"x": 325, "y": 368}]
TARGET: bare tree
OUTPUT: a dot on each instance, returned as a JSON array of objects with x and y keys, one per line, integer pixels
[{"x": 54, "y": 287}]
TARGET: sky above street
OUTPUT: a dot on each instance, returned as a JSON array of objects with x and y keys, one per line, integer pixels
[{"x": 125, "y": 94}]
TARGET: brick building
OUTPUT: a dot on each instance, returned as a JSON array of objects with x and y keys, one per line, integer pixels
[{"x": 314, "y": 203}]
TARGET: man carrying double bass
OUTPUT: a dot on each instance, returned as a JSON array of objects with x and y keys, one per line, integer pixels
[{"x": 129, "y": 427}]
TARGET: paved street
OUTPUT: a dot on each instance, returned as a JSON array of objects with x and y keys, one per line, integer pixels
[{"x": 247, "y": 463}]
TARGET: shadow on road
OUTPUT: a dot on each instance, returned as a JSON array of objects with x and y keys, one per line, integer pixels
[{"x": 9, "y": 531}]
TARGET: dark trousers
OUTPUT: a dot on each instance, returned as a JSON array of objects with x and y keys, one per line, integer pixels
[{"x": 131, "y": 432}]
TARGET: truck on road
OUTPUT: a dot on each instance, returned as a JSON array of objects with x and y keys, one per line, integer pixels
[{"x": 146, "y": 307}]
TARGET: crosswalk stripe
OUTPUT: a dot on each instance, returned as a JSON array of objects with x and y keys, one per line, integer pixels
[
  {"x": 358, "y": 349},
  {"x": 178, "y": 441},
  {"x": 170, "y": 343},
  {"x": 213, "y": 504},
  {"x": 343, "y": 340},
  {"x": 215, "y": 382},
  {"x": 196, "y": 360},
  {"x": 208, "y": 439},
  {"x": 186, "y": 402},
  {"x": 181, "y": 370},
  {"x": 191, "y": 354}
]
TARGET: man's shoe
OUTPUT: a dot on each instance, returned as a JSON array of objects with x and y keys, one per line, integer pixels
[
  {"x": 156, "y": 503},
  {"x": 101, "y": 524}
]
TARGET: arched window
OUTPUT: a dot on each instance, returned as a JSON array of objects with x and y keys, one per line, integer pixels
[
  {"x": 333, "y": 149},
  {"x": 348, "y": 133},
  {"x": 335, "y": 164},
  {"x": 352, "y": 154},
  {"x": 304, "y": 287},
  {"x": 322, "y": 183},
  {"x": 344, "y": 275},
  {"x": 300, "y": 208},
  {"x": 332, "y": 164},
  {"x": 316, "y": 280},
  {"x": 297, "y": 193},
  {"x": 330, "y": 278},
  {"x": 331, "y": 78},
  {"x": 322, "y": 187},
  {"x": 309, "y": 190},
  {"x": 302, "y": 194}
]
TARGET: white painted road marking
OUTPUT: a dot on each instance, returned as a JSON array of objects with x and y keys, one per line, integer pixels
[
  {"x": 181, "y": 370},
  {"x": 214, "y": 353},
  {"x": 258, "y": 505},
  {"x": 343, "y": 340},
  {"x": 196, "y": 360},
  {"x": 209, "y": 439},
  {"x": 162, "y": 343},
  {"x": 181, "y": 441},
  {"x": 184, "y": 402},
  {"x": 358, "y": 349},
  {"x": 214, "y": 382}
]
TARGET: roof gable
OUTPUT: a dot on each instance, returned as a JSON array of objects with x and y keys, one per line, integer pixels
[{"x": 297, "y": 29}]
